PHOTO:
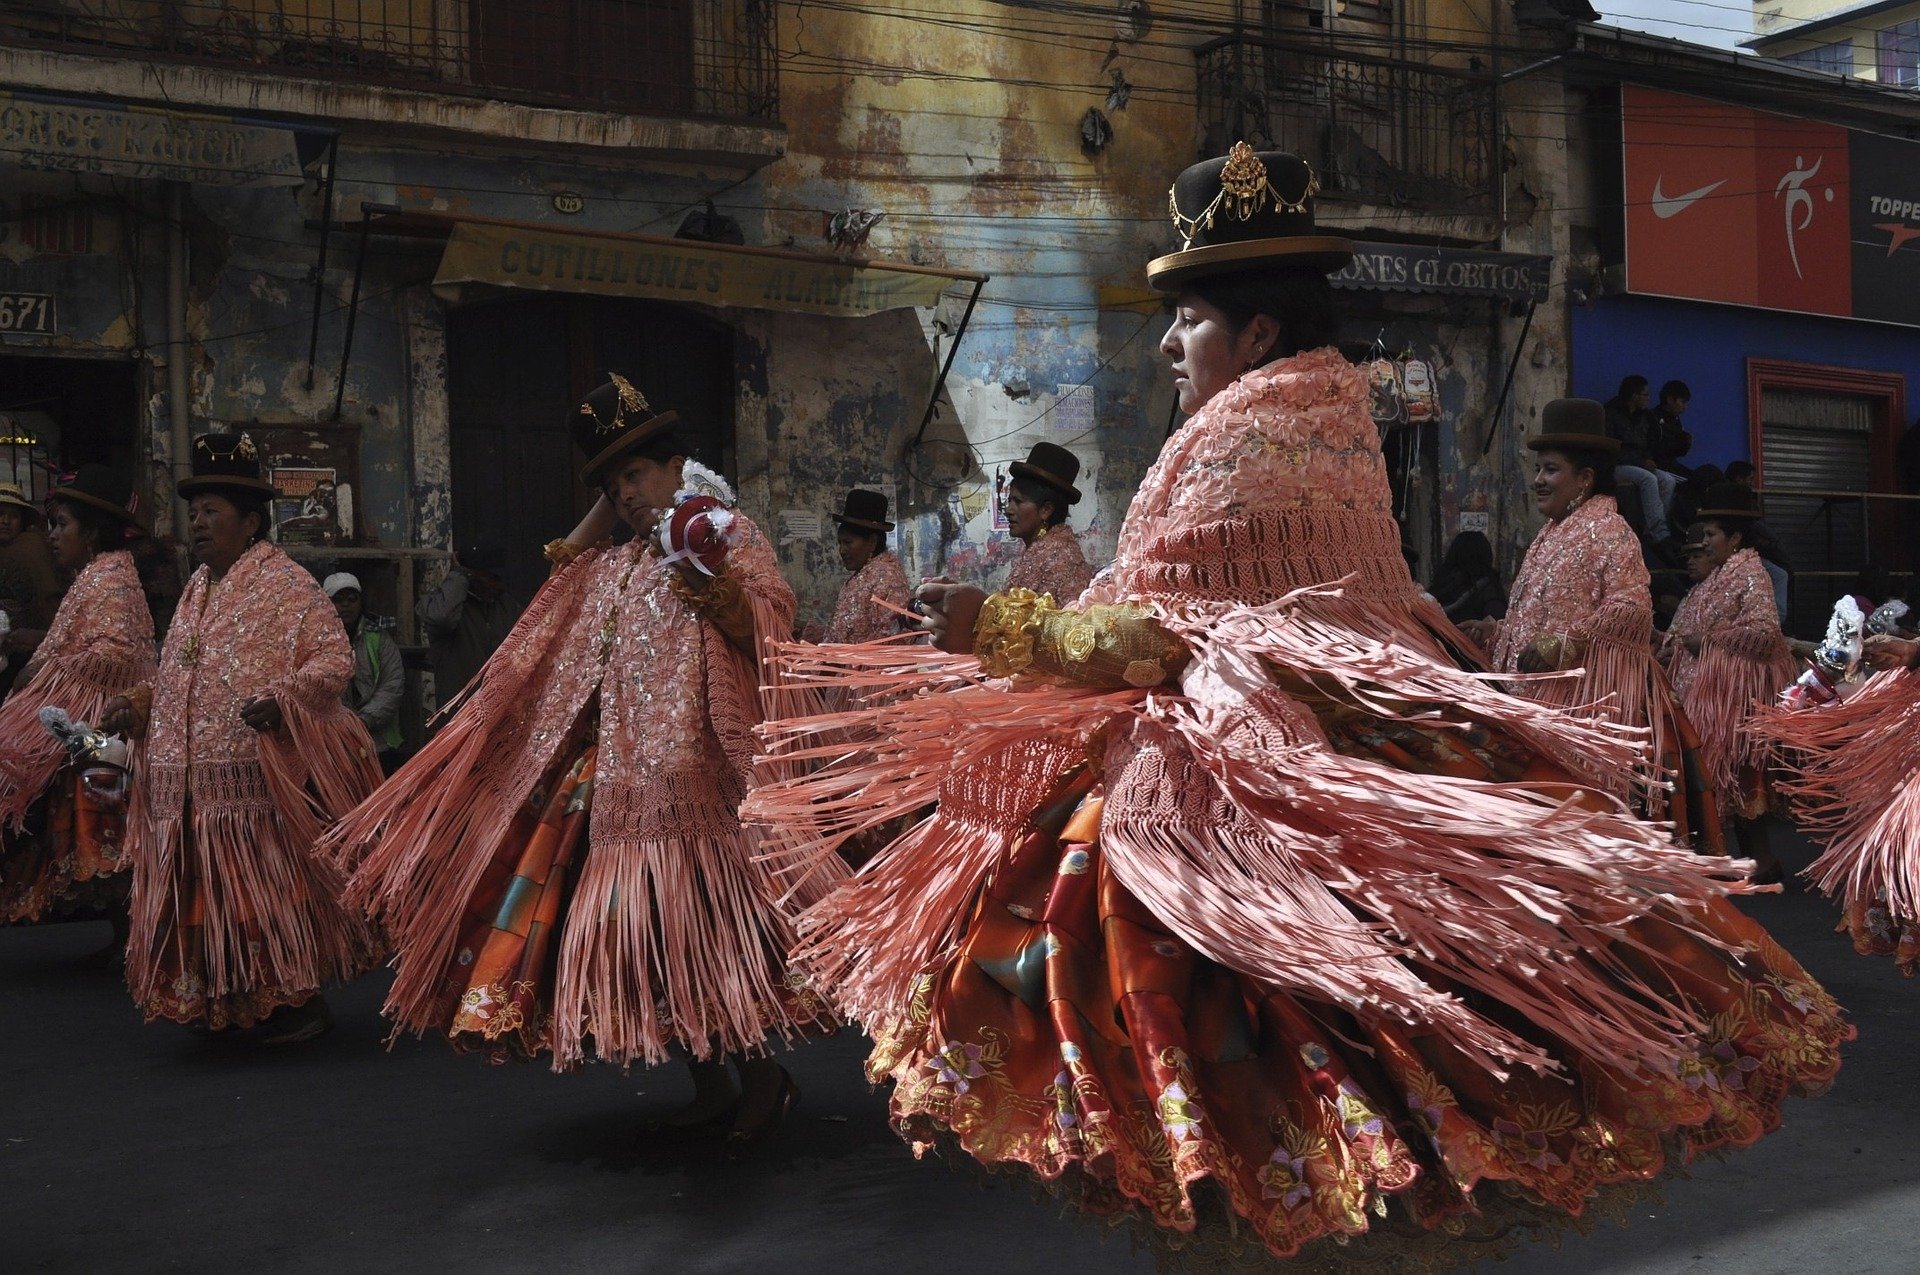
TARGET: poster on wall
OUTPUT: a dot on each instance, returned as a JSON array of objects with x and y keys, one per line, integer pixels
[{"x": 316, "y": 471}]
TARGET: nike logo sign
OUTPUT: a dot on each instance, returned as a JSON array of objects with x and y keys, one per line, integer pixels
[
  {"x": 1899, "y": 233},
  {"x": 1665, "y": 206}
]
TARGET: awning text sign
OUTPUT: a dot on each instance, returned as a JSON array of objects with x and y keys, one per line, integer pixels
[
  {"x": 507, "y": 256},
  {"x": 86, "y": 137},
  {"x": 1396, "y": 267},
  {"x": 1729, "y": 204}
]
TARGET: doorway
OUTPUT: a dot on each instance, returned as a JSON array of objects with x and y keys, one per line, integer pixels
[
  {"x": 517, "y": 366},
  {"x": 59, "y": 412}
]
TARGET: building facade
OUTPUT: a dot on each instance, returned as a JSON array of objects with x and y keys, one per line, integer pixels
[{"x": 1878, "y": 41}]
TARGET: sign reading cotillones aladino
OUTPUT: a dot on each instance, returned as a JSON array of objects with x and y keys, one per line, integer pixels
[
  {"x": 513, "y": 256},
  {"x": 1400, "y": 267},
  {"x": 88, "y": 137}
]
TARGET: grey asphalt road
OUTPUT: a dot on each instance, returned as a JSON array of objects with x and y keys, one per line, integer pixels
[{"x": 126, "y": 1147}]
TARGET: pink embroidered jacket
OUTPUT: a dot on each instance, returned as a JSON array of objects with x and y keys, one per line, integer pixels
[
  {"x": 856, "y": 617},
  {"x": 100, "y": 644},
  {"x": 1053, "y": 564},
  {"x": 1743, "y": 662}
]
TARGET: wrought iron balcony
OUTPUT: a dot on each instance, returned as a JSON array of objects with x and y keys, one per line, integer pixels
[
  {"x": 1377, "y": 129},
  {"x": 701, "y": 58}
]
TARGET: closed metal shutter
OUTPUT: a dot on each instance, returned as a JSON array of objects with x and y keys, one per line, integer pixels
[{"x": 1812, "y": 440}]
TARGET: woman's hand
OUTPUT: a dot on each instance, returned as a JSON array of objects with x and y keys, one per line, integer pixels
[
  {"x": 952, "y": 611},
  {"x": 1532, "y": 661},
  {"x": 262, "y": 713},
  {"x": 1885, "y": 651},
  {"x": 1483, "y": 632},
  {"x": 119, "y": 717},
  {"x": 1692, "y": 642}
]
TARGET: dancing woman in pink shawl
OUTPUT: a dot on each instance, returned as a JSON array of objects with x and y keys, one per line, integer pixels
[
  {"x": 1727, "y": 658},
  {"x": 1581, "y": 605},
  {"x": 1246, "y": 912},
  {"x": 871, "y": 600},
  {"x": 1852, "y": 775},
  {"x": 1038, "y": 496},
  {"x": 563, "y": 870},
  {"x": 248, "y": 753},
  {"x": 61, "y": 844}
]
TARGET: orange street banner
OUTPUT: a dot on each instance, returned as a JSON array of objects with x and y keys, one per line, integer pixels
[{"x": 516, "y": 256}]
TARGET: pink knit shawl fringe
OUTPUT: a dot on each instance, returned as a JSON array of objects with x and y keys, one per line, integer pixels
[
  {"x": 29, "y": 756},
  {"x": 1853, "y": 778},
  {"x": 1516, "y": 890},
  {"x": 1726, "y": 690}
]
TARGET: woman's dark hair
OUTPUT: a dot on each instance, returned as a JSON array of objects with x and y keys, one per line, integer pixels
[
  {"x": 106, "y": 531},
  {"x": 879, "y": 538},
  {"x": 1629, "y": 386},
  {"x": 1601, "y": 463},
  {"x": 250, "y": 503},
  {"x": 1742, "y": 527},
  {"x": 1039, "y": 493},
  {"x": 1468, "y": 557},
  {"x": 1300, "y": 301},
  {"x": 658, "y": 448}
]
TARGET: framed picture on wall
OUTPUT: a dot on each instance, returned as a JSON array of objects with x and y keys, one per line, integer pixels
[{"x": 316, "y": 469}]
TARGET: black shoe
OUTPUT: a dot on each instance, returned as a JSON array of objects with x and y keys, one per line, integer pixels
[{"x": 293, "y": 1024}]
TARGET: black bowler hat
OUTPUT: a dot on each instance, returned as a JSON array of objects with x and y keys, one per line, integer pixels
[
  {"x": 1246, "y": 208},
  {"x": 1053, "y": 466},
  {"x": 865, "y": 509},
  {"x": 226, "y": 462},
  {"x": 1730, "y": 502},
  {"x": 107, "y": 490},
  {"x": 611, "y": 421},
  {"x": 1579, "y": 424}
]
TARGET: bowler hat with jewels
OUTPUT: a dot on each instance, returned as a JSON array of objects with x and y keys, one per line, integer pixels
[
  {"x": 612, "y": 421},
  {"x": 226, "y": 463},
  {"x": 1248, "y": 208},
  {"x": 107, "y": 490},
  {"x": 866, "y": 510},
  {"x": 1730, "y": 502},
  {"x": 11, "y": 497},
  {"x": 1574, "y": 424},
  {"x": 1053, "y": 466}
]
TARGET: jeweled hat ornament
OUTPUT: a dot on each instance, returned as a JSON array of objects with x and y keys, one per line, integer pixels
[
  {"x": 226, "y": 462},
  {"x": 611, "y": 421},
  {"x": 1053, "y": 466},
  {"x": 105, "y": 489},
  {"x": 866, "y": 510},
  {"x": 1247, "y": 208},
  {"x": 1574, "y": 424}
]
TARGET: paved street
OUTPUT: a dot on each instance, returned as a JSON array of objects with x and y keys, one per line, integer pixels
[{"x": 133, "y": 1148}]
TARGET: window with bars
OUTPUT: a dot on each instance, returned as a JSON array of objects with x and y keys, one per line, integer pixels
[{"x": 1835, "y": 58}]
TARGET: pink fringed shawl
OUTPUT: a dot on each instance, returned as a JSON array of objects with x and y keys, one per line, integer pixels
[
  {"x": 1054, "y": 564},
  {"x": 1264, "y": 537},
  {"x": 1743, "y": 661},
  {"x": 1583, "y": 581},
  {"x": 100, "y": 644},
  {"x": 856, "y": 616},
  {"x": 673, "y": 933},
  {"x": 241, "y": 810}
]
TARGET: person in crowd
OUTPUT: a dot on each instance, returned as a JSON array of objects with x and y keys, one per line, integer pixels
[
  {"x": 1773, "y": 556},
  {"x": 871, "y": 600},
  {"x": 1582, "y": 603},
  {"x": 1690, "y": 497},
  {"x": 1467, "y": 585},
  {"x": 1851, "y": 773},
  {"x": 1217, "y": 891},
  {"x": 29, "y": 586},
  {"x": 467, "y": 617},
  {"x": 1741, "y": 474},
  {"x": 247, "y": 754},
  {"x": 1039, "y": 494},
  {"x": 61, "y": 842},
  {"x": 379, "y": 671},
  {"x": 1667, "y": 438},
  {"x": 563, "y": 870},
  {"x": 1726, "y": 654},
  {"x": 1628, "y": 425}
]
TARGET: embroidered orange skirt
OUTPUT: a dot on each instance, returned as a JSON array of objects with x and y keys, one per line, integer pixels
[
  {"x": 71, "y": 856},
  {"x": 1073, "y": 1036}
]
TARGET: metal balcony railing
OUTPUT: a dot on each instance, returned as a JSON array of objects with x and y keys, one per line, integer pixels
[
  {"x": 1377, "y": 129},
  {"x": 704, "y": 58}
]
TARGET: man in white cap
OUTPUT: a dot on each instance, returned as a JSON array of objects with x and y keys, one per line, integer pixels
[{"x": 379, "y": 678}]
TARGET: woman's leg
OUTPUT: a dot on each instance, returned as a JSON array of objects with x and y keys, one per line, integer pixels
[
  {"x": 767, "y": 1094},
  {"x": 714, "y": 1095}
]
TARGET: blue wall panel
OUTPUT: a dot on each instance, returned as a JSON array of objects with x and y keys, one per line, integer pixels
[{"x": 1707, "y": 346}]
